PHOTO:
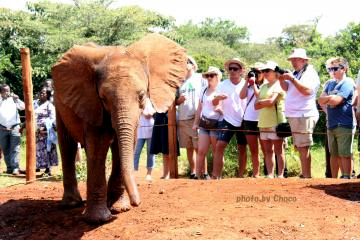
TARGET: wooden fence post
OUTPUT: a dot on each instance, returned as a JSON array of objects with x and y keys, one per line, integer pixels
[
  {"x": 172, "y": 141},
  {"x": 29, "y": 114}
]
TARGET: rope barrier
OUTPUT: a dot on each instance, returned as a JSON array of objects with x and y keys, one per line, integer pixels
[{"x": 253, "y": 131}]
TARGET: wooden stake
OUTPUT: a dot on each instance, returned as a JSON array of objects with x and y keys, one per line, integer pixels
[
  {"x": 29, "y": 114},
  {"x": 172, "y": 141}
]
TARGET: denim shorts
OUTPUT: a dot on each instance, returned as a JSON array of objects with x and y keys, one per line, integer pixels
[
  {"x": 227, "y": 131},
  {"x": 211, "y": 133}
]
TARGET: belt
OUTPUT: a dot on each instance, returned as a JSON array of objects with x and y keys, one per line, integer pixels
[{"x": 11, "y": 128}]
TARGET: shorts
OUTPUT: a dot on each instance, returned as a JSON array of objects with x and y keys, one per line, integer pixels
[
  {"x": 269, "y": 134},
  {"x": 188, "y": 138},
  {"x": 340, "y": 141},
  {"x": 303, "y": 128},
  {"x": 211, "y": 133},
  {"x": 251, "y": 127},
  {"x": 227, "y": 131}
]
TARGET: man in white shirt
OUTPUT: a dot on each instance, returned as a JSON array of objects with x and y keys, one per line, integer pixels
[
  {"x": 228, "y": 93},
  {"x": 187, "y": 101},
  {"x": 9, "y": 128},
  {"x": 301, "y": 87}
]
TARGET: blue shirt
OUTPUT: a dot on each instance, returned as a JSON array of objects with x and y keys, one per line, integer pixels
[{"x": 341, "y": 115}]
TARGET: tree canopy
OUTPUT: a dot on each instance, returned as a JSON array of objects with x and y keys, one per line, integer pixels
[{"x": 49, "y": 29}]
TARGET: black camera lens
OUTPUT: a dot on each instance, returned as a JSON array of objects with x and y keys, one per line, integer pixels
[{"x": 252, "y": 74}]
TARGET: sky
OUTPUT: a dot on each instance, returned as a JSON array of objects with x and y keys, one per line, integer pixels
[{"x": 263, "y": 18}]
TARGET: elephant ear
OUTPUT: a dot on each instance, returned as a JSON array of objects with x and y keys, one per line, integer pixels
[
  {"x": 166, "y": 64},
  {"x": 75, "y": 81}
]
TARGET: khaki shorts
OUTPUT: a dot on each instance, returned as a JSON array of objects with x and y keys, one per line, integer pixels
[
  {"x": 269, "y": 134},
  {"x": 341, "y": 141},
  {"x": 303, "y": 128},
  {"x": 188, "y": 138}
]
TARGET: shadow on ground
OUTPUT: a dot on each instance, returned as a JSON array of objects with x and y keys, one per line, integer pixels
[
  {"x": 41, "y": 219},
  {"x": 347, "y": 191}
]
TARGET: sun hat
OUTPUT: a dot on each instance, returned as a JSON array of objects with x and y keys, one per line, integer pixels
[
  {"x": 192, "y": 60},
  {"x": 298, "y": 53},
  {"x": 234, "y": 60},
  {"x": 258, "y": 66},
  {"x": 213, "y": 70},
  {"x": 269, "y": 65}
]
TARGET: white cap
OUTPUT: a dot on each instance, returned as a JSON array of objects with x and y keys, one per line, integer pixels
[{"x": 298, "y": 53}]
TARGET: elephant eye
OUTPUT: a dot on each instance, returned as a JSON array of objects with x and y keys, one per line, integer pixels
[{"x": 142, "y": 95}]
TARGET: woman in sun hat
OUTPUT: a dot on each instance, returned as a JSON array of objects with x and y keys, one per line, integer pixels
[
  {"x": 207, "y": 110},
  {"x": 271, "y": 106}
]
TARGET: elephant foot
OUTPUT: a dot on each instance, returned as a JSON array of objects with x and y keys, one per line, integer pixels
[
  {"x": 97, "y": 214},
  {"x": 71, "y": 200},
  {"x": 122, "y": 205}
]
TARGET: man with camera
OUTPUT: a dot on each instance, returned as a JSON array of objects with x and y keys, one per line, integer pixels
[
  {"x": 300, "y": 105},
  {"x": 9, "y": 128}
]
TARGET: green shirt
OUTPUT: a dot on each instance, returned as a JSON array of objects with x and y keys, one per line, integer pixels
[{"x": 267, "y": 116}]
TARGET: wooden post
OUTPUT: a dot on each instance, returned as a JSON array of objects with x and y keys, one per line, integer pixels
[
  {"x": 172, "y": 141},
  {"x": 29, "y": 114}
]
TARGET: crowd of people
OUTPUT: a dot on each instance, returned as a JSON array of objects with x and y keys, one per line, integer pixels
[
  {"x": 11, "y": 128},
  {"x": 252, "y": 104}
]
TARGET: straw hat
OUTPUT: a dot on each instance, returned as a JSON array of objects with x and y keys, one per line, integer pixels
[
  {"x": 234, "y": 60},
  {"x": 213, "y": 70}
]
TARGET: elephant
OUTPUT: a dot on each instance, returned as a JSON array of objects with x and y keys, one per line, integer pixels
[{"x": 99, "y": 94}]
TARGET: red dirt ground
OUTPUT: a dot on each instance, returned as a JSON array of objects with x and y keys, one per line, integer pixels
[{"x": 190, "y": 209}]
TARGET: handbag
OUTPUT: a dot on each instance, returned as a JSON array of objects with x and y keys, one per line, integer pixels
[
  {"x": 208, "y": 123},
  {"x": 282, "y": 129}
]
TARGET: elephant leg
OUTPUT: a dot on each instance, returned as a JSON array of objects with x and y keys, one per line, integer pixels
[
  {"x": 116, "y": 199},
  {"x": 97, "y": 142},
  {"x": 68, "y": 147}
]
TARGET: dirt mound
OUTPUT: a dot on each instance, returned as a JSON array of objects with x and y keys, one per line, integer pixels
[{"x": 192, "y": 209}]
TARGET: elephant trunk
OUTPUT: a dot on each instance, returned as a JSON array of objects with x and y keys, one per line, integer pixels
[{"x": 125, "y": 128}]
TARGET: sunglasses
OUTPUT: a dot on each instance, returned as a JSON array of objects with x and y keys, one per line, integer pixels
[
  {"x": 334, "y": 69},
  {"x": 234, "y": 69},
  {"x": 189, "y": 62},
  {"x": 211, "y": 75}
]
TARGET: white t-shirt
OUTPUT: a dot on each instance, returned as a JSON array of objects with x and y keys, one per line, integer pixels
[
  {"x": 9, "y": 115},
  {"x": 299, "y": 105},
  {"x": 191, "y": 89},
  {"x": 207, "y": 106},
  {"x": 250, "y": 113},
  {"x": 233, "y": 106},
  {"x": 145, "y": 127}
]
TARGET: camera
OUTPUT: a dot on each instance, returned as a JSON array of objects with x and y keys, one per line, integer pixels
[
  {"x": 253, "y": 73},
  {"x": 280, "y": 70}
]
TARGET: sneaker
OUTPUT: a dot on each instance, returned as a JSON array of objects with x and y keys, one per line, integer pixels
[
  {"x": 193, "y": 176},
  {"x": 206, "y": 176},
  {"x": 148, "y": 177},
  {"x": 15, "y": 172},
  {"x": 344, "y": 177},
  {"x": 269, "y": 176}
]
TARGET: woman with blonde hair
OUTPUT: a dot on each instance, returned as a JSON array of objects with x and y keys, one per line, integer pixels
[{"x": 206, "y": 118}]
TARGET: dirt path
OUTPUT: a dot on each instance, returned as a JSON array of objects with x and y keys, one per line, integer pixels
[{"x": 189, "y": 209}]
